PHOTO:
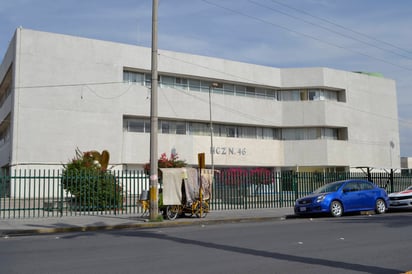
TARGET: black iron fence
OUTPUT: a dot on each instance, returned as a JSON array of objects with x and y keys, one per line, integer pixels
[{"x": 46, "y": 193}]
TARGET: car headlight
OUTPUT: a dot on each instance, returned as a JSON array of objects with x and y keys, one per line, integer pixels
[{"x": 320, "y": 198}]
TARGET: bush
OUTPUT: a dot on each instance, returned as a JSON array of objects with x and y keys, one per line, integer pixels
[
  {"x": 92, "y": 187},
  {"x": 164, "y": 162}
]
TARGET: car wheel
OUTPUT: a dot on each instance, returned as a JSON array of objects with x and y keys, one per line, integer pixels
[
  {"x": 380, "y": 206},
  {"x": 336, "y": 209}
]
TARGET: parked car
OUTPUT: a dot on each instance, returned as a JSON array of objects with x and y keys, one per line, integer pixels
[
  {"x": 401, "y": 199},
  {"x": 345, "y": 196}
]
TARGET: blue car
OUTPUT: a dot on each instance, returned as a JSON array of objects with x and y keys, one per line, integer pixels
[{"x": 341, "y": 197}]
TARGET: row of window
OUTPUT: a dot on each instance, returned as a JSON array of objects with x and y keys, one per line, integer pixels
[
  {"x": 189, "y": 84},
  {"x": 132, "y": 124}
]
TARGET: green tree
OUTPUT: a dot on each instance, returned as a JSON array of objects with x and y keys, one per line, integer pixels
[{"x": 91, "y": 185}]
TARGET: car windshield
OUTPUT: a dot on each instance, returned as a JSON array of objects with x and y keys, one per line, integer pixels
[{"x": 331, "y": 187}]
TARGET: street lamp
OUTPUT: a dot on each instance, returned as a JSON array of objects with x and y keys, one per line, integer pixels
[{"x": 211, "y": 87}]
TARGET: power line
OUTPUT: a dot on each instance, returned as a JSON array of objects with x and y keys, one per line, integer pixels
[
  {"x": 343, "y": 27},
  {"x": 328, "y": 29},
  {"x": 305, "y": 35}
]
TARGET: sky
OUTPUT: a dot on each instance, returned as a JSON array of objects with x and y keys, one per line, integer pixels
[{"x": 352, "y": 35}]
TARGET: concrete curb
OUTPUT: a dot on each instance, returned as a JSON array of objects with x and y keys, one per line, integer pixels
[{"x": 146, "y": 224}]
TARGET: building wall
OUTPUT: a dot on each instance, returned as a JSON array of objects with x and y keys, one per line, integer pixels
[{"x": 69, "y": 93}]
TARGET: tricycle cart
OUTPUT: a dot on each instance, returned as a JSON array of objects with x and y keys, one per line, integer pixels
[{"x": 186, "y": 191}]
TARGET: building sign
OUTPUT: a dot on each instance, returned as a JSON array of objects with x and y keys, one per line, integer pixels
[{"x": 229, "y": 151}]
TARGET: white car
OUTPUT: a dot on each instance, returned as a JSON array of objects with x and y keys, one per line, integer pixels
[{"x": 401, "y": 199}]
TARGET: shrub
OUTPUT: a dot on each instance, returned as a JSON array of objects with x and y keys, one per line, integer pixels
[
  {"x": 90, "y": 184},
  {"x": 165, "y": 162}
]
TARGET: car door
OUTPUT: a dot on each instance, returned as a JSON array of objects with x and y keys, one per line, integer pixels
[
  {"x": 367, "y": 196},
  {"x": 351, "y": 197}
]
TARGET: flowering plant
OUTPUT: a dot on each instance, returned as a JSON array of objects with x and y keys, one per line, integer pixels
[
  {"x": 235, "y": 176},
  {"x": 260, "y": 176},
  {"x": 164, "y": 162},
  {"x": 239, "y": 176}
]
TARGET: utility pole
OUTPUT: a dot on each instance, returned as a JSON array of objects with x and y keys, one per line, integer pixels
[
  {"x": 212, "y": 149},
  {"x": 154, "y": 178}
]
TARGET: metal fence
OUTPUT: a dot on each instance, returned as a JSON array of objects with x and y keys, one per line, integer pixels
[{"x": 45, "y": 193}]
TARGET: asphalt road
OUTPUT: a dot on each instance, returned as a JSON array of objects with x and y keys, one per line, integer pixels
[{"x": 351, "y": 244}]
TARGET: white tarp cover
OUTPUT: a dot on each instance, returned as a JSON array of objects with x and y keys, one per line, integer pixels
[
  {"x": 191, "y": 185},
  {"x": 172, "y": 185},
  {"x": 207, "y": 180}
]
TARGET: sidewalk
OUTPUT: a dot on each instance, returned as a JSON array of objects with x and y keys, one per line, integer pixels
[{"x": 30, "y": 226}]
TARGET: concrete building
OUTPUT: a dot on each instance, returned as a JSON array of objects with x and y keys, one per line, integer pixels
[{"x": 60, "y": 92}]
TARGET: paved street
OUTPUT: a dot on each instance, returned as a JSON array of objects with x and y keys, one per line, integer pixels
[{"x": 351, "y": 244}]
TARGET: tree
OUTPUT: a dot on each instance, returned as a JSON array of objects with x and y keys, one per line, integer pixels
[{"x": 92, "y": 186}]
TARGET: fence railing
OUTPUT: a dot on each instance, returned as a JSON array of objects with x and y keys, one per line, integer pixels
[{"x": 45, "y": 193}]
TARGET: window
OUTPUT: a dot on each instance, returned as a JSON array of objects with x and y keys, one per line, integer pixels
[
  {"x": 291, "y": 134},
  {"x": 247, "y": 132},
  {"x": 5, "y": 130},
  {"x": 330, "y": 133},
  {"x": 167, "y": 81},
  {"x": 309, "y": 133},
  {"x": 5, "y": 95},
  {"x": 205, "y": 86},
  {"x": 172, "y": 127},
  {"x": 218, "y": 130},
  {"x": 261, "y": 92},
  {"x": 321, "y": 95},
  {"x": 351, "y": 187},
  {"x": 331, "y": 95},
  {"x": 266, "y": 133},
  {"x": 137, "y": 125},
  {"x": 303, "y": 95},
  {"x": 165, "y": 126},
  {"x": 231, "y": 131},
  {"x": 290, "y": 95},
  {"x": 148, "y": 79},
  {"x": 313, "y": 95},
  {"x": 223, "y": 130},
  {"x": 199, "y": 129},
  {"x": 272, "y": 94},
  {"x": 181, "y": 128},
  {"x": 144, "y": 79},
  {"x": 240, "y": 90},
  {"x": 181, "y": 83},
  {"x": 250, "y": 91},
  {"x": 229, "y": 89},
  {"x": 5, "y": 86},
  {"x": 194, "y": 85},
  {"x": 365, "y": 186},
  {"x": 133, "y": 77}
]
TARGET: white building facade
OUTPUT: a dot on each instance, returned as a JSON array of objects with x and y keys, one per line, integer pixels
[{"x": 59, "y": 93}]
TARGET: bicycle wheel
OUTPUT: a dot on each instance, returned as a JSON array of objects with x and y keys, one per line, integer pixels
[
  {"x": 205, "y": 209},
  {"x": 172, "y": 211}
]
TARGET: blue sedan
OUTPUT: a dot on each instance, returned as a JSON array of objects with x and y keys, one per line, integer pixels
[{"x": 341, "y": 197}]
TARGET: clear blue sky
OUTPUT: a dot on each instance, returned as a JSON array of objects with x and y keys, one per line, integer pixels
[{"x": 353, "y": 35}]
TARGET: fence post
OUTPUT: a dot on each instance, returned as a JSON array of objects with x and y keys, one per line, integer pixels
[{"x": 295, "y": 184}]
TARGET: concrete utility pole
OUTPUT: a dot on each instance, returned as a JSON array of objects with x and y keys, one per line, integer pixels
[
  {"x": 212, "y": 149},
  {"x": 154, "y": 207}
]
